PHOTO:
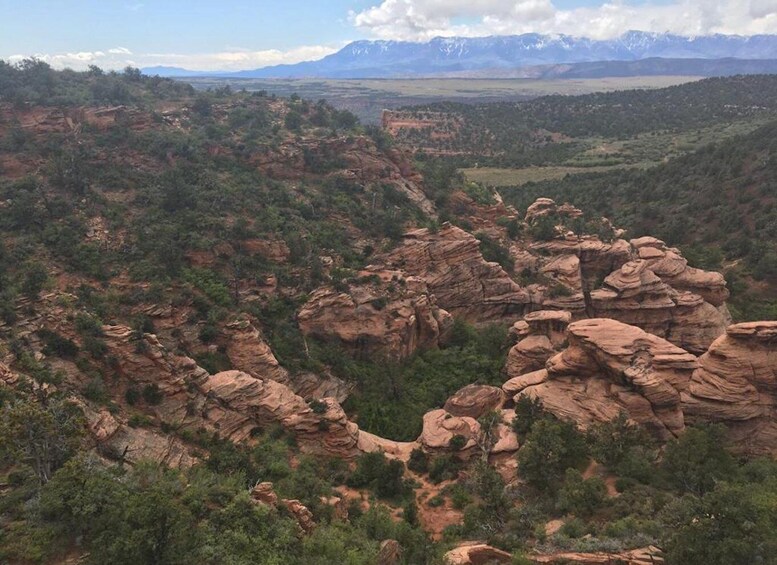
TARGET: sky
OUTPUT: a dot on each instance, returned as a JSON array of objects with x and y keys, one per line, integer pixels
[{"x": 248, "y": 34}]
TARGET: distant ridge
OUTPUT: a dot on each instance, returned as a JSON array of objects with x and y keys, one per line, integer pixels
[{"x": 501, "y": 55}]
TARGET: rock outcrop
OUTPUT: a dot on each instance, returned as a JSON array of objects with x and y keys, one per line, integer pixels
[
  {"x": 465, "y": 284},
  {"x": 440, "y": 427},
  {"x": 611, "y": 367},
  {"x": 636, "y": 295},
  {"x": 476, "y": 553},
  {"x": 384, "y": 313},
  {"x": 595, "y": 259},
  {"x": 116, "y": 440},
  {"x": 736, "y": 383},
  {"x": 541, "y": 335},
  {"x": 475, "y": 400},
  {"x": 644, "y": 556},
  {"x": 673, "y": 269},
  {"x": 239, "y": 405},
  {"x": 235, "y": 404},
  {"x": 264, "y": 494},
  {"x": 249, "y": 352}
]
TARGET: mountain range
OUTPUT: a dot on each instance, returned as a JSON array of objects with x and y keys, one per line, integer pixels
[{"x": 496, "y": 55}]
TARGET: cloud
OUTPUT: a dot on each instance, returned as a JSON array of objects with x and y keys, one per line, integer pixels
[
  {"x": 240, "y": 59},
  {"x": 232, "y": 60},
  {"x": 418, "y": 20}
]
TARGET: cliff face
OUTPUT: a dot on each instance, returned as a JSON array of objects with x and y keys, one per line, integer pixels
[
  {"x": 465, "y": 284},
  {"x": 610, "y": 367},
  {"x": 736, "y": 383},
  {"x": 383, "y": 313}
]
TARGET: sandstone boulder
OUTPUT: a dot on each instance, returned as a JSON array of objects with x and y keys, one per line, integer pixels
[
  {"x": 543, "y": 333},
  {"x": 264, "y": 494},
  {"x": 610, "y": 367},
  {"x": 384, "y": 313},
  {"x": 476, "y": 553},
  {"x": 464, "y": 283},
  {"x": 249, "y": 352},
  {"x": 650, "y": 555},
  {"x": 439, "y": 428},
  {"x": 239, "y": 404},
  {"x": 548, "y": 207},
  {"x": 736, "y": 383},
  {"x": 635, "y": 295},
  {"x": 673, "y": 269},
  {"x": 475, "y": 400},
  {"x": 117, "y": 441}
]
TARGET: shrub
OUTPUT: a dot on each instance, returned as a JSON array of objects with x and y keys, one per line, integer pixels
[
  {"x": 549, "y": 450},
  {"x": 208, "y": 333},
  {"x": 132, "y": 396},
  {"x": 152, "y": 395},
  {"x": 443, "y": 468},
  {"x": 381, "y": 475},
  {"x": 55, "y": 344},
  {"x": 611, "y": 442},
  {"x": 581, "y": 497},
  {"x": 318, "y": 407},
  {"x": 419, "y": 461},
  {"x": 457, "y": 442},
  {"x": 528, "y": 410},
  {"x": 696, "y": 461},
  {"x": 95, "y": 390}
]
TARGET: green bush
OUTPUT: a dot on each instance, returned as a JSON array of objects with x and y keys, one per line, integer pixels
[
  {"x": 549, "y": 450},
  {"x": 152, "y": 394},
  {"x": 381, "y": 475},
  {"x": 528, "y": 411},
  {"x": 418, "y": 462},
  {"x": 581, "y": 497},
  {"x": 457, "y": 442},
  {"x": 696, "y": 461}
]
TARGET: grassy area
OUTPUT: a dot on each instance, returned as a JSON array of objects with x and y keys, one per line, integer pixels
[
  {"x": 602, "y": 155},
  {"x": 492, "y": 176}
]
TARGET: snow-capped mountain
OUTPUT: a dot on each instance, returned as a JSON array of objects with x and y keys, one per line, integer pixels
[{"x": 384, "y": 59}]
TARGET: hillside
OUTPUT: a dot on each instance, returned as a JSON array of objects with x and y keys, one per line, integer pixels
[
  {"x": 718, "y": 203},
  {"x": 238, "y": 328},
  {"x": 554, "y": 129}
]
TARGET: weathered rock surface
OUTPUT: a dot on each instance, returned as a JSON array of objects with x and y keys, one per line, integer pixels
[
  {"x": 141, "y": 360},
  {"x": 596, "y": 258},
  {"x": 440, "y": 427},
  {"x": 264, "y": 493},
  {"x": 239, "y": 404},
  {"x": 645, "y": 556},
  {"x": 673, "y": 269},
  {"x": 635, "y": 295},
  {"x": 736, "y": 383},
  {"x": 465, "y": 284},
  {"x": 476, "y": 553},
  {"x": 116, "y": 440},
  {"x": 546, "y": 207},
  {"x": 249, "y": 352},
  {"x": 390, "y": 552},
  {"x": 611, "y": 367},
  {"x": 475, "y": 400},
  {"x": 541, "y": 335},
  {"x": 385, "y": 313}
]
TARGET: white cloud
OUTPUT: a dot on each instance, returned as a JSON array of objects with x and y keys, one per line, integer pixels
[
  {"x": 419, "y": 20},
  {"x": 240, "y": 59},
  {"x": 232, "y": 60}
]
